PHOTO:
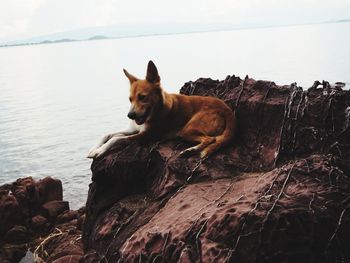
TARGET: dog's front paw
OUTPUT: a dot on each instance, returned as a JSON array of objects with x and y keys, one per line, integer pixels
[
  {"x": 91, "y": 154},
  {"x": 95, "y": 153}
]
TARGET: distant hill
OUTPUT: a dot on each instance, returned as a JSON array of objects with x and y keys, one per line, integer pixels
[
  {"x": 40, "y": 43},
  {"x": 342, "y": 21},
  {"x": 122, "y": 31},
  {"x": 136, "y": 30},
  {"x": 97, "y": 38}
]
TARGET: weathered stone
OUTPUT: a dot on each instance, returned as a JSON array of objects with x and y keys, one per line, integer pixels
[
  {"x": 17, "y": 235},
  {"x": 67, "y": 216},
  {"x": 278, "y": 193},
  {"x": 80, "y": 222},
  {"x": 10, "y": 212},
  {"x": 21, "y": 222},
  {"x": 49, "y": 189},
  {"x": 39, "y": 223},
  {"x": 64, "y": 242},
  {"x": 53, "y": 208},
  {"x": 13, "y": 252}
]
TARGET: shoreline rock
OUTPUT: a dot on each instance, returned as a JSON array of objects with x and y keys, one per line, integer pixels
[
  {"x": 278, "y": 193},
  {"x": 34, "y": 217}
]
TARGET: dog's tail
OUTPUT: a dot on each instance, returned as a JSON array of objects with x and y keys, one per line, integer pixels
[{"x": 225, "y": 137}]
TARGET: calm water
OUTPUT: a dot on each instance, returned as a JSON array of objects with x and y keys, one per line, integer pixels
[{"x": 56, "y": 101}]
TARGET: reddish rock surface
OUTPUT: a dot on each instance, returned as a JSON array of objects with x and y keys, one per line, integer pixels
[
  {"x": 54, "y": 208},
  {"x": 280, "y": 192},
  {"x": 28, "y": 213},
  {"x": 38, "y": 223}
]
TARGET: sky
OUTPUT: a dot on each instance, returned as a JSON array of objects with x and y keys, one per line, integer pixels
[{"x": 28, "y": 18}]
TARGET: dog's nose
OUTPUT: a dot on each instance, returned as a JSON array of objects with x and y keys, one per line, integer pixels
[{"x": 132, "y": 115}]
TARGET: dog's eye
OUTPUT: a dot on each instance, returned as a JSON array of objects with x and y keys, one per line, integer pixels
[{"x": 141, "y": 97}]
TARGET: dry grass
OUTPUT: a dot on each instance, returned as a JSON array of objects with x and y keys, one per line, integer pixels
[{"x": 40, "y": 249}]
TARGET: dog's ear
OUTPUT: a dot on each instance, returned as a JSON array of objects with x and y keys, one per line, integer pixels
[
  {"x": 152, "y": 73},
  {"x": 129, "y": 76}
]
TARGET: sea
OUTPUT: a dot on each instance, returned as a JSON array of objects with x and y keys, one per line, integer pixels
[{"x": 58, "y": 100}]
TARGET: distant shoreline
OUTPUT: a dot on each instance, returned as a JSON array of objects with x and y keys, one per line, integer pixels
[{"x": 102, "y": 37}]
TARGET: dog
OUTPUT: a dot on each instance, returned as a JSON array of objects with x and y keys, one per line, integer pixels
[{"x": 155, "y": 114}]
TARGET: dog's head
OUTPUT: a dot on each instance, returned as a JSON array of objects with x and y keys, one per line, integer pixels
[{"x": 146, "y": 95}]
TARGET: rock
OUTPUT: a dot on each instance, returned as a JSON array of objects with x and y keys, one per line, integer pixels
[
  {"x": 49, "y": 189},
  {"x": 278, "y": 193},
  {"x": 67, "y": 216},
  {"x": 53, "y": 208},
  {"x": 23, "y": 205},
  {"x": 230, "y": 219},
  {"x": 80, "y": 222},
  {"x": 12, "y": 252},
  {"x": 39, "y": 223},
  {"x": 25, "y": 191},
  {"x": 22, "y": 200},
  {"x": 61, "y": 244},
  {"x": 338, "y": 85},
  {"x": 17, "y": 235},
  {"x": 10, "y": 212}
]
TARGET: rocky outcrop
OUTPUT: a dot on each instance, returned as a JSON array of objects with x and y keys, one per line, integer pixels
[
  {"x": 34, "y": 217},
  {"x": 280, "y": 192}
]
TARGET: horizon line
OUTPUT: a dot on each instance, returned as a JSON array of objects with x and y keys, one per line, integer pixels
[{"x": 103, "y": 37}]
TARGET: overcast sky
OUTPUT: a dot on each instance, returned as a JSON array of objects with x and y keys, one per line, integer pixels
[{"x": 27, "y": 18}]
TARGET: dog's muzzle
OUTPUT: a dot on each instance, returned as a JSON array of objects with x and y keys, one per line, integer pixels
[
  {"x": 139, "y": 119},
  {"x": 132, "y": 115}
]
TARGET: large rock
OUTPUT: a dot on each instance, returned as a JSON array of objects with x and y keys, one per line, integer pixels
[{"x": 278, "y": 193}]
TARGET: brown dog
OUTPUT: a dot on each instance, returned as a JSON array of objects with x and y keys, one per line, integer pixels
[{"x": 155, "y": 114}]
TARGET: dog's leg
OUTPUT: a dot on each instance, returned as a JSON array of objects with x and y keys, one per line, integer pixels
[
  {"x": 103, "y": 141},
  {"x": 209, "y": 129},
  {"x": 205, "y": 141},
  {"x": 202, "y": 129},
  {"x": 132, "y": 129},
  {"x": 109, "y": 144},
  {"x": 194, "y": 135},
  {"x": 105, "y": 147}
]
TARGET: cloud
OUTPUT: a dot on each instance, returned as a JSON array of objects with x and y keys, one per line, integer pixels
[
  {"x": 23, "y": 18},
  {"x": 16, "y": 15}
]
